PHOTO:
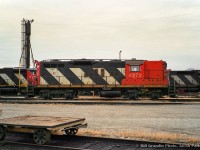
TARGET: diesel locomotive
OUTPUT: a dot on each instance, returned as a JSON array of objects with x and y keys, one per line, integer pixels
[{"x": 107, "y": 78}]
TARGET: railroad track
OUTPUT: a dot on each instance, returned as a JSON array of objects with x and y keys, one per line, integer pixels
[
  {"x": 104, "y": 101},
  {"x": 95, "y": 103},
  {"x": 20, "y": 146},
  {"x": 24, "y": 141}
]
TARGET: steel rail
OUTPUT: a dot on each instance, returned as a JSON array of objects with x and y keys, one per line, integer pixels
[{"x": 82, "y": 142}]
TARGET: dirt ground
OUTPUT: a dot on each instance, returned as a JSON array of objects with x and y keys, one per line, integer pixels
[{"x": 166, "y": 123}]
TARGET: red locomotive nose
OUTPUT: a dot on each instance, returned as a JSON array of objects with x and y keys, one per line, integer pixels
[{"x": 145, "y": 73}]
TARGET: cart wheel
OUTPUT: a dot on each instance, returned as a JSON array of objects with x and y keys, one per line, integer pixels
[
  {"x": 41, "y": 136},
  {"x": 71, "y": 131},
  {"x": 2, "y": 133}
]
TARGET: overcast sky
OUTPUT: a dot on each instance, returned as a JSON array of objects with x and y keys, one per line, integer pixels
[{"x": 144, "y": 29}]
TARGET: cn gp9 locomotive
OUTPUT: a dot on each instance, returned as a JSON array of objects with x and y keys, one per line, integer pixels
[{"x": 107, "y": 78}]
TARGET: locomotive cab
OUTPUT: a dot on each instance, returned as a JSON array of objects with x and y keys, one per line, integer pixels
[
  {"x": 145, "y": 73},
  {"x": 146, "y": 78}
]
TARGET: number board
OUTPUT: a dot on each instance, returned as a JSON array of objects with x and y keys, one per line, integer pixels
[{"x": 135, "y": 75}]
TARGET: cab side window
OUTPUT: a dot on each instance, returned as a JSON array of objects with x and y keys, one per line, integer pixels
[{"x": 135, "y": 68}]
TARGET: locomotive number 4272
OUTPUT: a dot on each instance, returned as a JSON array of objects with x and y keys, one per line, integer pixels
[{"x": 135, "y": 75}]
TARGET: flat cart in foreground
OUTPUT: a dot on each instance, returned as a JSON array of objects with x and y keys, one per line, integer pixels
[{"x": 41, "y": 126}]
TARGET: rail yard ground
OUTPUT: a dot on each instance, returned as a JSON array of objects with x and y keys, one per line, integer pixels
[{"x": 162, "y": 123}]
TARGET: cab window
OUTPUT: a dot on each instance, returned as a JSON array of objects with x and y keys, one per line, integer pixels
[{"x": 135, "y": 68}]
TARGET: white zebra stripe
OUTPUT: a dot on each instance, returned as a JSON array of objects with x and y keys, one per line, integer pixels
[
  {"x": 81, "y": 75},
  {"x": 122, "y": 70},
  {"x": 7, "y": 79},
  {"x": 58, "y": 76},
  {"x": 107, "y": 77},
  {"x": 23, "y": 80},
  {"x": 192, "y": 80},
  {"x": 178, "y": 80},
  {"x": 42, "y": 81},
  {"x": 110, "y": 79}
]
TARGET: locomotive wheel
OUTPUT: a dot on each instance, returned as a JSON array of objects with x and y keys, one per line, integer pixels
[
  {"x": 71, "y": 131},
  {"x": 69, "y": 96},
  {"x": 154, "y": 96},
  {"x": 133, "y": 97},
  {"x": 2, "y": 133},
  {"x": 41, "y": 136}
]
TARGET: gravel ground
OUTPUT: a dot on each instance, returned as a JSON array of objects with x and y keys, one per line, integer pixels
[{"x": 168, "y": 123}]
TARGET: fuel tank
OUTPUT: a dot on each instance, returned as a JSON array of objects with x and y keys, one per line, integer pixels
[{"x": 110, "y": 93}]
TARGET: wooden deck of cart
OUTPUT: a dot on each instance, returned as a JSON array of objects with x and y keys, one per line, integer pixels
[{"x": 41, "y": 126}]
